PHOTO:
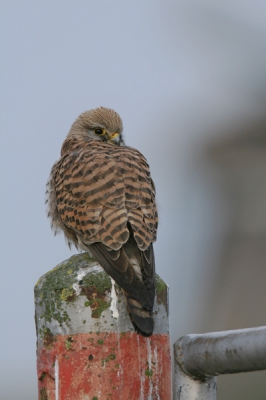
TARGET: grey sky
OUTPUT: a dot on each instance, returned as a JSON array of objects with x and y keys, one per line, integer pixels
[{"x": 175, "y": 72}]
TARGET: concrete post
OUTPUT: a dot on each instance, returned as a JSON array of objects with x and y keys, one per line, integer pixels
[{"x": 87, "y": 348}]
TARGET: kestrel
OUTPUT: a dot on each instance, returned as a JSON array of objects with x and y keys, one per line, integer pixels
[{"x": 101, "y": 195}]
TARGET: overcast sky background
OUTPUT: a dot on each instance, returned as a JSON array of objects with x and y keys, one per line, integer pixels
[{"x": 177, "y": 72}]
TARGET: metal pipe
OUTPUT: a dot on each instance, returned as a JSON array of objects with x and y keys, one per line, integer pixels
[
  {"x": 228, "y": 352},
  {"x": 187, "y": 388}
]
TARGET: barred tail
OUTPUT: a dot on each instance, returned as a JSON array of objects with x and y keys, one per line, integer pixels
[{"x": 140, "y": 317}]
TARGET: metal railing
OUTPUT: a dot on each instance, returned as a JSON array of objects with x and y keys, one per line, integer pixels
[{"x": 200, "y": 358}]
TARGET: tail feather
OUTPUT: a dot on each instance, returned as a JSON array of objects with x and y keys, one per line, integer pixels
[
  {"x": 134, "y": 271},
  {"x": 140, "y": 317}
]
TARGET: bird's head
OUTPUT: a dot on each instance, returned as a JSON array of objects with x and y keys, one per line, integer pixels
[{"x": 101, "y": 123}]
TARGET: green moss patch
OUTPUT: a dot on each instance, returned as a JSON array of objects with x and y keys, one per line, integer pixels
[
  {"x": 148, "y": 373},
  {"x": 43, "y": 394},
  {"x": 161, "y": 292},
  {"x": 55, "y": 288}
]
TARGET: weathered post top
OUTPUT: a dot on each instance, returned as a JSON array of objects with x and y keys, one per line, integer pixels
[{"x": 87, "y": 347}]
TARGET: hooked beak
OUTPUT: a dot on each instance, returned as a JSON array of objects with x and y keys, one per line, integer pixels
[{"x": 114, "y": 138}]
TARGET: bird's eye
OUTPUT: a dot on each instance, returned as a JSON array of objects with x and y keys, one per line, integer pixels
[{"x": 98, "y": 131}]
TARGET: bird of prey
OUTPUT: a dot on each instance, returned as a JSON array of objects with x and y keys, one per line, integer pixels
[{"x": 101, "y": 195}]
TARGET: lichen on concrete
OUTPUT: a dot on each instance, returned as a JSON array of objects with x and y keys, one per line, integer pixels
[
  {"x": 55, "y": 288},
  {"x": 161, "y": 292},
  {"x": 47, "y": 336},
  {"x": 67, "y": 294},
  {"x": 101, "y": 281},
  {"x": 43, "y": 394}
]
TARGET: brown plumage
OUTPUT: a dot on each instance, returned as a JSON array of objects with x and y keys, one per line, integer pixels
[{"x": 101, "y": 195}]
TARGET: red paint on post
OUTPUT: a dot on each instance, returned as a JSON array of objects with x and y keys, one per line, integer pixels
[{"x": 104, "y": 366}]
